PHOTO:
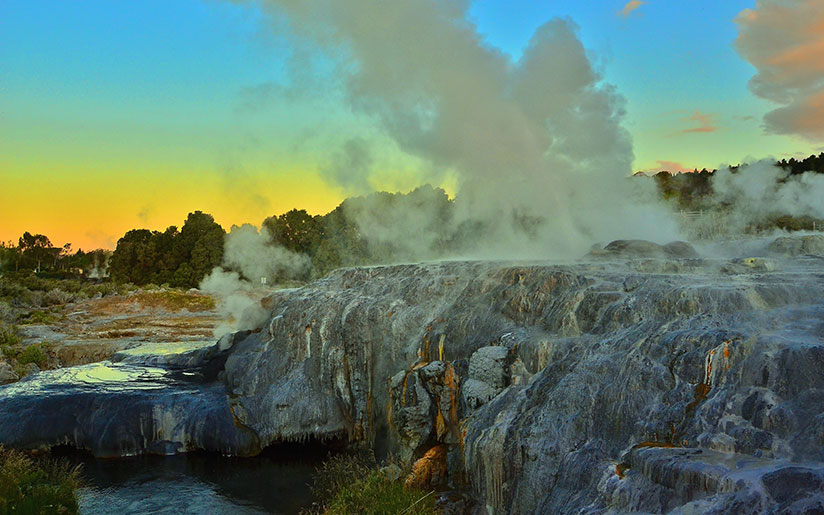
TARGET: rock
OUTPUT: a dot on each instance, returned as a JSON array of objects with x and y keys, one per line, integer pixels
[
  {"x": 749, "y": 265},
  {"x": 681, "y": 249},
  {"x": 646, "y": 249},
  {"x": 490, "y": 365},
  {"x": 476, "y": 393},
  {"x": 7, "y": 373},
  {"x": 798, "y": 245},
  {"x": 430, "y": 470},
  {"x": 391, "y": 472},
  {"x": 612, "y": 389},
  {"x": 32, "y": 368},
  {"x": 113, "y": 409}
]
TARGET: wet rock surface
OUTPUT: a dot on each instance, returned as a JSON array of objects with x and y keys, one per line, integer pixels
[
  {"x": 125, "y": 408},
  {"x": 639, "y": 384}
]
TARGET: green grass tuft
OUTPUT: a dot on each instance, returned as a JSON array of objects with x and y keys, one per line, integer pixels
[
  {"x": 36, "y": 486},
  {"x": 354, "y": 484}
]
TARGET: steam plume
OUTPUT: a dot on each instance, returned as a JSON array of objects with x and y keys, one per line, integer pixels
[
  {"x": 538, "y": 139},
  {"x": 249, "y": 259}
]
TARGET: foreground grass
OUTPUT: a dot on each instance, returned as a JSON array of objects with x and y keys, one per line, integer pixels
[
  {"x": 36, "y": 486},
  {"x": 353, "y": 484}
]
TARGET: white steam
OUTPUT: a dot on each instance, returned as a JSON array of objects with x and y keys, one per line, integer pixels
[
  {"x": 754, "y": 193},
  {"x": 250, "y": 262},
  {"x": 538, "y": 139}
]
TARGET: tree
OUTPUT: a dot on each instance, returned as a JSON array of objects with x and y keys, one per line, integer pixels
[
  {"x": 9, "y": 256},
  {"x": 201, "y": 244},
  {"x": 134, "y": 258},
  {"x": 36, "y": 248},
  {"x": 295, "y": 230}
]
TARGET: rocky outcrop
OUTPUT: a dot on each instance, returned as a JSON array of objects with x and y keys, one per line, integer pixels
[
  {"x": 126, "y": 408},
  {"x": 645, "y": 383},
  {"x": 798, "y": 245}
]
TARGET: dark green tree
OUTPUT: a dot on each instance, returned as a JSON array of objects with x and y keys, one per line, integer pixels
[
  {"x": 134, "y": 259},
  {"x": 36, "y": 250},
  {"x": 200, "y": 243},
  {"x": 295, "y": 230}
]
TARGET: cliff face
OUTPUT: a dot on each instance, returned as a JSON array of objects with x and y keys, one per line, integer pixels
[
  {"x": 627, "y": 383},
  {"x": 633, "y": 385}
]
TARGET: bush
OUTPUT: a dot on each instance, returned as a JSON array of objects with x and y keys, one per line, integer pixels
[
  {"x": 57, "y": 296},
  {"x": 33, "y": 354},
  {"x": 354, "y": 484},
  {"x": 42, "y": 486},
  {"x": 9, "y": 336},
  {"x": 7, "y": 314},
  {"x": 39, "y": 318}
]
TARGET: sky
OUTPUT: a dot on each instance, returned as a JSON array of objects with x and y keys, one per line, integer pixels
[{"x": 117, "y": 115}]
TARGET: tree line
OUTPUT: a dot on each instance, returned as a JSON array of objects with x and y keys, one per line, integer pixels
[
  {"x": 35, "y": 253},
  {"x": 183, "y": 257},
  {"x": 687, "y": 189}
]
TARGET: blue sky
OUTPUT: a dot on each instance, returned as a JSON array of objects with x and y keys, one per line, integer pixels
[{"x": 112, "y": 95}]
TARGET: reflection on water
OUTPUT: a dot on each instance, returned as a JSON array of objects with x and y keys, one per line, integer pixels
[{"x": 275, "y": 482}]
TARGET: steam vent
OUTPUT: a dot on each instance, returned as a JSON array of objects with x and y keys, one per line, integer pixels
[{"x": 644, "y": 378}]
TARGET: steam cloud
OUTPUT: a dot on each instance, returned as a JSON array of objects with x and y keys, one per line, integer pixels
[
  {"x": 537, "y": 139},
  {"x": 784, "y": 40},
  {"x": 247, "y": 259},
  {"x": 761, "y": 190}
]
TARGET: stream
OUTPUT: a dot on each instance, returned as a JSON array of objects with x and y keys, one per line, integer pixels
[{"x": 277, "y": 481}]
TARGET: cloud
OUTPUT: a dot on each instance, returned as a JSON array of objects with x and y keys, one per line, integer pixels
[
  {"x": 784, "y": 41},
  {"x": 706, "y": 122},
  {"x": 668, "y": 166},
  {"x": 631, "y": 6}
]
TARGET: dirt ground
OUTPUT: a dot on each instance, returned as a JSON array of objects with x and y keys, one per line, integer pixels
[{"x": 93, "y": 330}]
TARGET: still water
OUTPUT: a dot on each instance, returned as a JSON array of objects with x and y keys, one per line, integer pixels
[{"x": 275, "y": 482}]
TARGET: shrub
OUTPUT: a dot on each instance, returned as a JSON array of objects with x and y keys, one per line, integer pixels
[
  {"x": 9, "y": 336},
  {"x": 33, "y": 354},
  {"x": 354, "y": 484},
  {"x": 40, "y": 318},
  {"x": 375, "y": 494},
  {"x": 57, "y": 296},
  {"x": 42, "y": 486}
]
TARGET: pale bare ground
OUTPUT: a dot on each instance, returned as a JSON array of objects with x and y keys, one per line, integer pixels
[{"x": 94, "y": 330}]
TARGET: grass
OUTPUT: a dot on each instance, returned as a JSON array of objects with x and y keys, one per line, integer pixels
[
  {"x": 354, "y": 484},
  {"x": 9, "y": 336},
  {"x": 33, "y": 354},
  {"x": 173, "y": 300},
  {"x": 40, "y": 318},
  {"x": 19, "y": 356},
  {"x": 36, "y": 486}
]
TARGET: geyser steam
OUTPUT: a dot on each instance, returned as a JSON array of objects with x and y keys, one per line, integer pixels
[
  {"x": 536, "y": 140},
  {"x": 249, "y": 262}
]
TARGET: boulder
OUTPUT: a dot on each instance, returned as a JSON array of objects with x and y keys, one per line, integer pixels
[
  {"x": 7, "y": 373},
  {"x": 646, "y": 249},
  {"x": 798, "y": 245}
]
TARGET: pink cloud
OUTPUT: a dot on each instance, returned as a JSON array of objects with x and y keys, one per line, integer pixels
[
  {"x": 629, "y": 7},
  {"x": 706, "y": 122},
  {"x": 784, "y": 40},
  {"x": 668, "y": 166}
]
